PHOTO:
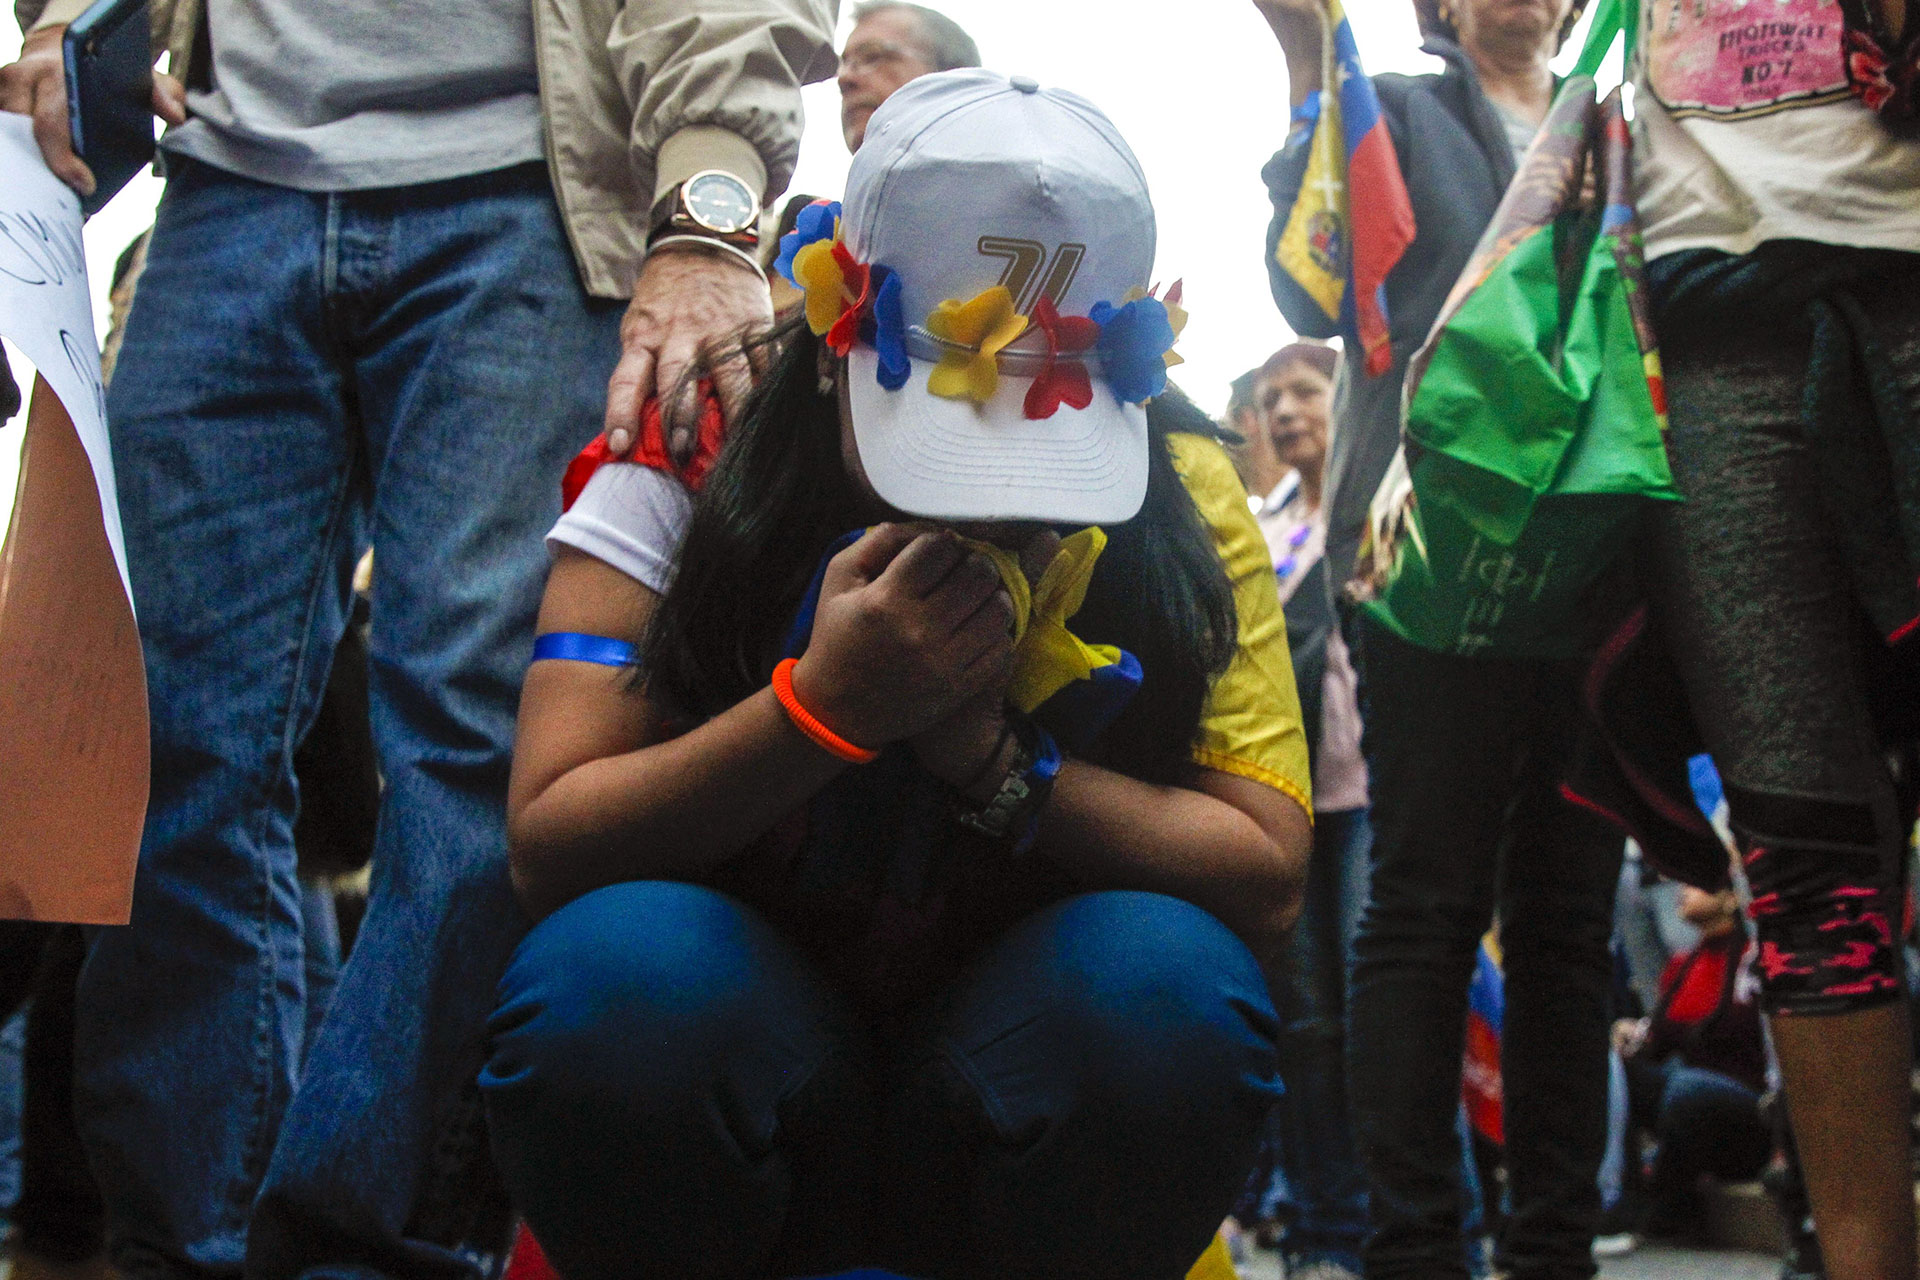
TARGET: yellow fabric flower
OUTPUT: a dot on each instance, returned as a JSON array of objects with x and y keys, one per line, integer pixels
[
  {"x": 1046, "y": 656},
  {"x": 1177, "y": 317},
  {"x": 825, "y": 284},
  {"x": 986, "y": 322}
]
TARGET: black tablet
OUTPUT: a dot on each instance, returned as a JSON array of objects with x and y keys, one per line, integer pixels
[{"x": 109, "y": 57}]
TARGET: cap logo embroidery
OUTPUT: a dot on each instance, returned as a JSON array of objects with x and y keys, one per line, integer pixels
[{"x": 1022, "y": 275}]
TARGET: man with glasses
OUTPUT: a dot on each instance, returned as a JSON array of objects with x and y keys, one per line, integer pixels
[{"x": 891, "y": 43}]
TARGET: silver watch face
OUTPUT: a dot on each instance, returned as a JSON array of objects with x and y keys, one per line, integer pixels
[{"x": 721, "y": 202}]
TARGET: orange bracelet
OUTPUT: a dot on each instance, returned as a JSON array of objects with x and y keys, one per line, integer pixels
[{"x": 805, "y": 722}]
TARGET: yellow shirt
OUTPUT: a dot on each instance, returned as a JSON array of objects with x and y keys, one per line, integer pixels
[{"x": 1251, "y": 723}]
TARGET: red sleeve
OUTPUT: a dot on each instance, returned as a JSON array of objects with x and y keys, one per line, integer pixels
[{"x": 650, "y": 450}]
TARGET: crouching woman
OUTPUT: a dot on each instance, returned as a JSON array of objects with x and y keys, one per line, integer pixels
[{"x": 906, "y": 874}]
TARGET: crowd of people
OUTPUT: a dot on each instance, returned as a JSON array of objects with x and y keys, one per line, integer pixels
[{"x": 854, "y": 769}]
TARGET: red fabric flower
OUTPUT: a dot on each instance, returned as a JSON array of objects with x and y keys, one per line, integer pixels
[
  {"x": 1061, "y": 381},
  {"x": 859, "y": 283}
]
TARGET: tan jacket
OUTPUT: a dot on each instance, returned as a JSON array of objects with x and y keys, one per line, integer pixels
[{"x": 637, "y": 96}]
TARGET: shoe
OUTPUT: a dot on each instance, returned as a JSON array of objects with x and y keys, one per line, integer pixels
[{"x": 1617, "y": 1244}]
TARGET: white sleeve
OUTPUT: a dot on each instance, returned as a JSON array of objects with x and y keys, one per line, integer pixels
[{"x": 632, "y": 517}]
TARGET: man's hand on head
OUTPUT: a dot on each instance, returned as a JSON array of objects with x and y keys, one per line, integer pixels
[
  {"x": 688, "y": 305},
  {"x": 36, "y": 86}
]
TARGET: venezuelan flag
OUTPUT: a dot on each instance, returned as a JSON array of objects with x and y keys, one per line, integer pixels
[
  {"x": 1352, "y": 219},
  {"x": 1480, "y": 1080}
]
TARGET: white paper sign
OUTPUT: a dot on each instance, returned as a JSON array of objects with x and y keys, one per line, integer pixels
[{"x": 44, "y": 307}]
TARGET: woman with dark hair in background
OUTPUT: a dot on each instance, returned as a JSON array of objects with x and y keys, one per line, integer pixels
[
  {"x": 1697, "y": 1068},
  {"x": 1320, "y": 1195},
  {"x": 1465, "y": 755}
]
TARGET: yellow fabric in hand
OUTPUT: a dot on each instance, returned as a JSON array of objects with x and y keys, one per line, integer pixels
[
  {"x": 1250, "y": 725},
  {"x": 1046, "y": 656}
]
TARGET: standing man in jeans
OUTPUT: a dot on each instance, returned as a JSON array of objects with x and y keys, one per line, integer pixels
[{"x": 400, "y": 275}]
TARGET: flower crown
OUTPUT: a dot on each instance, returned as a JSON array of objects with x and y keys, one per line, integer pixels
[{"x": 851, "y": 301}]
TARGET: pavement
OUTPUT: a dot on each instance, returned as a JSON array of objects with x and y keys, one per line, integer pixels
[
  {"x": 1664, "y": 1262},
  {"x": 1649, "y": 1262}
]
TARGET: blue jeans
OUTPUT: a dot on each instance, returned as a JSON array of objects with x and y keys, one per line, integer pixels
[
  {"x": 1705, "y": 1123},
  {"x": 1324, "y": 1203},
  {"x": 674, "y": 1091},
  {"x": 305, "y": 374}
]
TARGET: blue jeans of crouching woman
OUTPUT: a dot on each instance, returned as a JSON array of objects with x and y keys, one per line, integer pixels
[
  {"x": 675, "y": 1091},
  {"x": 305, "y": 373}
]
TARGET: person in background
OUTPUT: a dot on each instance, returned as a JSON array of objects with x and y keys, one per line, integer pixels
[
  {"x": 1252, "y": 456},
  {"x": 1697, "y": 1068},
  {"x": 395, "y": 282},
  {"x": 893, "y": 42},
  {"x": 1649, "y": 929},
  {"x": 1289, "y": 408},
  {"x": 1780, "y": 207},
  {"x": 1465, "y": 755},
  {"x": 1324, "y": 1214}
]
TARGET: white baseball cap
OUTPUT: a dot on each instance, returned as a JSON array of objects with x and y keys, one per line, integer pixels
[{"x": 968, "y": 179}]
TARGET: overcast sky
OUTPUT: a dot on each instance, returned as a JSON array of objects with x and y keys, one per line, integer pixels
[{"x": 1196, "y": 86}]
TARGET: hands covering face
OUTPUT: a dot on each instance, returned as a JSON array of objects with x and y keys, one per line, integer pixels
[{"x": 912, "y": 628}]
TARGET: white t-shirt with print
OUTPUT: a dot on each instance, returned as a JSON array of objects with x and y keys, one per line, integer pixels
[{"x": 1746, "y": 131}]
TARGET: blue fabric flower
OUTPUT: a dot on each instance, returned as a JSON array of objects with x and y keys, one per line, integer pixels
[
  {"x": 816, "y": 222},
  {"x": 1134, "y": 341},
  {"x": 884, "y": 328}
]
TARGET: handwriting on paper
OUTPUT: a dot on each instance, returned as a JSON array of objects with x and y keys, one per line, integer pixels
[
  {"x": 37, "y": 250},
  {"x": 45, "y": 308}
]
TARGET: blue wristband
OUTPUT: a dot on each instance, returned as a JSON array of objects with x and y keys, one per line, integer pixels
[{"x": 578, "y": 646}]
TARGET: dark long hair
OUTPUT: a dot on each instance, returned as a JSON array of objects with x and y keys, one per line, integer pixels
[{"x": 779, "y": 495}]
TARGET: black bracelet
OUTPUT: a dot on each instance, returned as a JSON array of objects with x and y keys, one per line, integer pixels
[{"x": 993, "y": 758}]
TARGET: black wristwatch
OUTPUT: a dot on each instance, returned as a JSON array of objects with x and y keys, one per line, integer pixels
[{"x": 712, "y": 204}]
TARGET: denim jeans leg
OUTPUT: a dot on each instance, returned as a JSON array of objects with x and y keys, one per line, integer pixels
[
  {"x": 1708, "y": 1123},
  {"x": 236, "y": 475},
  {"x": 673, "y": 1091},
  {"x": 1088, "y": 1101},
  {"x": 1327, "y": 1193},
  {"x": 480, "y": 367}
]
